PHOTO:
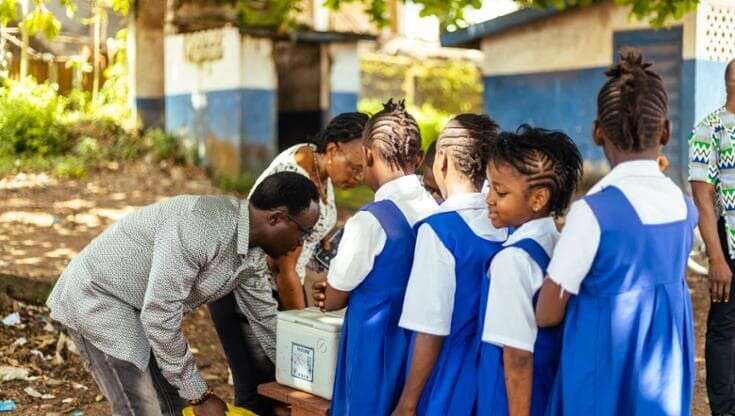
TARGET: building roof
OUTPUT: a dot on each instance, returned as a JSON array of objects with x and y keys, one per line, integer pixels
[{"x": 470, "y": 36}]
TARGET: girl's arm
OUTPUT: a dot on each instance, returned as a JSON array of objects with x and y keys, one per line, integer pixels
[
  {"x": 425, "y": 352},
  {"x": 518, "y": 366},
  {"x": 552, "y": 304}
]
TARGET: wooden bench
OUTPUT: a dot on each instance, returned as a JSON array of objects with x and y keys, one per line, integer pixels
[{"x": 301, "y": 403}]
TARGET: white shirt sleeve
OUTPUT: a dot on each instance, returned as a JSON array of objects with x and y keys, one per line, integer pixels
[
  {"x": 363, "y": 239},
  {"x": 510, "y": 318},
  {"x": 429, "y": 301},
  {"x": 576, "y": 249}
]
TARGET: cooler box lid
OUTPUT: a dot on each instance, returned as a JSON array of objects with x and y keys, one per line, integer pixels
[{"x": 314, "y": 318}]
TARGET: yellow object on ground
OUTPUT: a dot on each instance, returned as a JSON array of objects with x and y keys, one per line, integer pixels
[{"x": 231, "y": 411}]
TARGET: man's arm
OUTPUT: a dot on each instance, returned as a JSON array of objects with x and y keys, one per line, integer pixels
[
  {"x": 290, "y": 289},
  {"x": 425, "y": 352},
  {"x": 719, "y": 272}
]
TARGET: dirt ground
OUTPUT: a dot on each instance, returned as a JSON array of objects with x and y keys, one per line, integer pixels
[{"x": 44, "y": 222}]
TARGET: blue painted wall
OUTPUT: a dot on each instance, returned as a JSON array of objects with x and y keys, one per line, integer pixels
[
  {"x": 709, "y": 87},
  {"x": 238, "y": 121},
  {"x": 564, "y": 100},
  {"x": 342, "y": 102},
  {"x": 151, "y": 111}
]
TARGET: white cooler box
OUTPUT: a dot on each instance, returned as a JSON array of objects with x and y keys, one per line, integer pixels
[{"x": 307, "y": 342}]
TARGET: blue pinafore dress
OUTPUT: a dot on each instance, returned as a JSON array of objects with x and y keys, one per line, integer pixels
[
  {"x": 452, "y": 386},
  {"x": 628, "y": 342},
  {"x": 371, "y": 363},
  {"x": 492, "y": 398}
]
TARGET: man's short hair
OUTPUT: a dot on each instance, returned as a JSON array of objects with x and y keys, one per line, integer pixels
[{"x": 285, "y": 189}]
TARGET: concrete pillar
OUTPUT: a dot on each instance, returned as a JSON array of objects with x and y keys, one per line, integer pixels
[
  {"x": 145, "y": 60},
  {"x": 344, "y": 79},
  {"x": 221, "y": 96},
  {"x": 259, "y": 110}
]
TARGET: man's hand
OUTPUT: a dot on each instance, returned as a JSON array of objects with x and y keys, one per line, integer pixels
[
  {"x": 318, "y": 290},
  {"x": 213, "y": 406},
  {"x": 720, "y": 279}
]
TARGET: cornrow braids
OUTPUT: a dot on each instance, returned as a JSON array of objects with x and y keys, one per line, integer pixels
[
  {"x": 547, "y": 159},
  {"x": 467, "y": 137},
  {"x": 341, "y": 129},
  {"x": 395, "y": 134},
  {"x": 632, "y": 106}
]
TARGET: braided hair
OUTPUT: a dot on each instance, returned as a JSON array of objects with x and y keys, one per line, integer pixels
[
  {"x": 467, "y": 137},
  {"x": 341, "y": 129},
  {"x": 395, "y": 135},
  {"x": 632, "y": 106},
  {"x": 547, "y": 159}
]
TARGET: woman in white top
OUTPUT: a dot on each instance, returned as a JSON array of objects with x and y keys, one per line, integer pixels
[{"x": 334, "y": 158}]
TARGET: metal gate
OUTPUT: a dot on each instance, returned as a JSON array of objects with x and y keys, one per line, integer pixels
[{"x": 664, "y": 49}]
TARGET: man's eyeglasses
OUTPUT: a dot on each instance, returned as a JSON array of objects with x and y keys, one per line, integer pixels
[{"x": 304, "y": 233}]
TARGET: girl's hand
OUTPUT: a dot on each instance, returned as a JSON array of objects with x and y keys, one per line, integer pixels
[
  {"x": 318, "y": 290},
  {"x": 404, "y": 409}
]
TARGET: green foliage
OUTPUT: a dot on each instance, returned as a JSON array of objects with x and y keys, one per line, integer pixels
[
  {"x": 8, "y": 11},
  {"x": 451, "y": 12},
  {"x": 31, "y": 119},
  {"x": 268, "y": 13},
  {"x": 41, "y": 20},
  {"x": 353, "y": 199},
  {"x": 163, "y": 146},
  {"x": 70, "y": 167},
  {"x": 439, "y": 83},
  {"x": 431, "y": 81},
  {"x": 240, "y": 184},
  {"x": 430, "y": 120}
]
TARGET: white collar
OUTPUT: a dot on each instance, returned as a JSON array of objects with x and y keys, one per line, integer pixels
[
  {"x": 458, "y": 202},
  {"x": 648, "y": 168},
  {"x": 399, "y": 186},
  {"x": 539, "y": 226}
]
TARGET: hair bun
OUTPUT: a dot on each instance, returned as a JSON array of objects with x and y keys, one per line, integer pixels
[
  {"x": 631, "y": 64},
  {"x": 391, "y": 106}
]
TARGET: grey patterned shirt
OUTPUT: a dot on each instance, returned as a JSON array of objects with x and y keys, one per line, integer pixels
[{"x": 127, "y": 291}]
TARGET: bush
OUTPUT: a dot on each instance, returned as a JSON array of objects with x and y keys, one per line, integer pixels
[
  {"x": 70, "y": 167},
  {"x": 31, "y": 120},
  {"x": 163, "y": 146},
  {"x": 436, "y": 82}
]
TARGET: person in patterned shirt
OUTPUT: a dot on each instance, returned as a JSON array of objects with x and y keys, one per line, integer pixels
[
  {"x": 123, "y": 297},
  {"x": 712, "y": 177}
]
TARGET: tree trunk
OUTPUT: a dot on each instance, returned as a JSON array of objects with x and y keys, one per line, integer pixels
[
  {"x": 96, "y": 54},
  {"x": 25, "y": 40}
]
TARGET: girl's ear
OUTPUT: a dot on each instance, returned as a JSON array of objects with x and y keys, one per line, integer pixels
[
  {"x": 443, "y": 159},
  {"x": 368, "y": 157},
  {"x": 540, "y": 198},
  {"x": 665, "y": 133},
  {"x": 597, "y": 135}
]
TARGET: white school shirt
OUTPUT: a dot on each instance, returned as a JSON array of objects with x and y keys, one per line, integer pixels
[
  {"x": 364, "y": 238},
  {"x": 510, "y": 318},
  {"x": 655, "y": 198},
  {"x": 429, "y": 301}
]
